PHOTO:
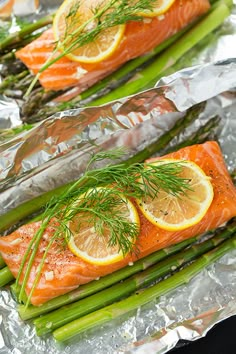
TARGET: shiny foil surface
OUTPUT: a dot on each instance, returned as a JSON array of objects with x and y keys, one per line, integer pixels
[{"x": 66, "y": 139}]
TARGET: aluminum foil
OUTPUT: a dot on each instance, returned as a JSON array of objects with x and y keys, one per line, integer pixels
[
  {"x": 27, "y": 165},
  {"x": 66, "y": 140}
]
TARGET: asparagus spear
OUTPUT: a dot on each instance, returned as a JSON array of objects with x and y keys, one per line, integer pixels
[
  {"x": 5, "y": 276},
  {"x": 11, "y": 80},
  {"x": 6, "y": 134},
  {"x": 17, "y": 37},
  {"x": 191, "y": 115},
  {"x": 12, "y": 67},
  {"x": 2, "y": 263},
  {"x": 93, "y": 287},
  {"x": 15, "y": 292},
  {"x": 142, "y": 297},
  {"x": 31, "y": 206},
  {"x": 199, "y": 136},
  {"x": 35, "y": 100},
  {"x": 7, "y": 57},
  {"x": 158, "y": 68}
]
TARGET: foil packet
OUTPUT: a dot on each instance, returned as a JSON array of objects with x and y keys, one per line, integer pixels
[{"x": 67, "y": 140}]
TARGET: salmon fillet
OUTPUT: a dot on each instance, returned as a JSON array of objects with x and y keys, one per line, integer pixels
[
  {"x": 139, "y": 38},
  {"x": 70, "y": 271}
]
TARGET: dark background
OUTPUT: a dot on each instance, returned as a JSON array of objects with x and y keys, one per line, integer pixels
[{"x": 221, "y": 339}]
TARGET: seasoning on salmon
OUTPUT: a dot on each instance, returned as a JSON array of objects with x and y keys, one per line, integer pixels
[
  {"x": 139, "y": 38},
  {"x": 63, "y": 271}
]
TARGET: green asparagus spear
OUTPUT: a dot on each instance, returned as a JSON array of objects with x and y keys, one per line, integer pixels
[
  {"x": 15, "y": 292},
  {"x": 2, "y": 263},
  {"x": 6, "y": 134},
  {"x": 36, "y": 204},
  {"x": 166, "y": 138},
  {"x": 7, "y": 57},
  {"x": 142, "y": 297},
  {"x": 37, "y": 99},
  {"x": 16, "y": 37},
  {"x": 5, "y": 276},
  {"x": 199, "y": 136},
  {"x": 155, "y": 70},
  {"x": 11, "y": 80},
  {"x": 93, "y": 287},
  {"x": 23, "y": 84},
  {"x": 66, "y": 314}
]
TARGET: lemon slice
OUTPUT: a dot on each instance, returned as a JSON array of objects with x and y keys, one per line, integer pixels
[
  {"x": 175, "y": 213},
  {"x": 159, "y": 7},
  {"x": 93, "y": 246},
  {"x": 74, "y": 15}
]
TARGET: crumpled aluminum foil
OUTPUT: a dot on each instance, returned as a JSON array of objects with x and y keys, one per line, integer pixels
[
  {"x": 191, "y": 310},
  {"x": 27, "y": 165}
]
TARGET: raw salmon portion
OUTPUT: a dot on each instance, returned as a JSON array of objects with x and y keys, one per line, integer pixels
[
  {"x": 63, "y": 271},
  {"x": 139, "y": 38}
]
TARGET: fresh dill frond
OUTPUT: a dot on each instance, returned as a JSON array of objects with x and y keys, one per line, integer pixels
[
  {"x": 103, "y": 209},
  {"x": 71, "y": 17}
]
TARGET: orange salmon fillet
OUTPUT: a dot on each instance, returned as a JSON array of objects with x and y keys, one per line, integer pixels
[
  {"x": 139, "y": 38},
  {"x": 70, "y": 271}
]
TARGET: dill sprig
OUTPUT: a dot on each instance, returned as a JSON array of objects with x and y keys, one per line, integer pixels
[
  {"x": 111, "y": 14},
  {"x": 105, "y": 15},
  {"x": 101, "y": 207}
]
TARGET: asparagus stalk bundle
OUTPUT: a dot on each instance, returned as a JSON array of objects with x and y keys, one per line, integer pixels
[
  {"x": 93, "y": 287},
  {"x": 10, "y": 81},
  {"x": 65, "y": 314},
  {"x": 144, "y": 296}
]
